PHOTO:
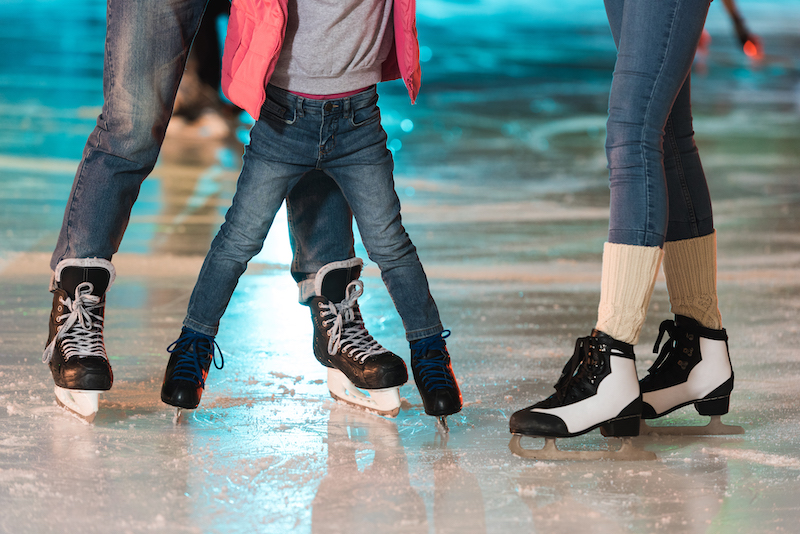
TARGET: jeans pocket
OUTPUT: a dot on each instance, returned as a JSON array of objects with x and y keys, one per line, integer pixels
[
  {"x": 273, "y": 110},
  {"x": 366, "y": 114}
]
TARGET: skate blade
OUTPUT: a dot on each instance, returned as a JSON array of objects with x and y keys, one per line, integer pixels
[
  {"x": 626, "y": 453},
  {"x": 715, "y": 427},
  {"x": 178, "y": 418},
  {"x": 83, "y": 403},
  {"x": 384, "y": 402},
  {"x": 441, "y": 424}
]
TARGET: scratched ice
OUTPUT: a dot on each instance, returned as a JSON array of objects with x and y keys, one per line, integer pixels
[{"x": 501, "y": 171}]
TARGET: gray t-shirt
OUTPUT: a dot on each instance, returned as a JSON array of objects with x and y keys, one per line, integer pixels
[{"x": 334, "y": 46}]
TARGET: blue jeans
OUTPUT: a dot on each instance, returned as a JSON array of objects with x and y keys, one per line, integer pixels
[
  {"x": 658, "y": 188},
  {"x": 147, "y": 43},
  {"x": 343, "y": 139}
]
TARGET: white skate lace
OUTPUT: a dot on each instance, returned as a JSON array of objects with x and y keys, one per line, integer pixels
[
  {"x": 347, "y": 331},
  {"x": 82, "y": 331}
]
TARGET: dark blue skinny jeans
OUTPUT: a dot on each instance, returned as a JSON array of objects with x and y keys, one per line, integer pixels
[{"x": 658, "y": 188}]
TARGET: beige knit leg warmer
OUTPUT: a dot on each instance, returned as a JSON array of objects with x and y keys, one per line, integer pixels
[
  {"x": 629, "y": 275},
  {"x": 690, "y": 266}
]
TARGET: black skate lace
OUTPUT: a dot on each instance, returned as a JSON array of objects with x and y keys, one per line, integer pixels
[
  {"x": 190, "y": 347},
  {"x": 347, "y": 331},
  {"x": 434, "y": 372},
  {"x": 81, "y": 334},
  {"x": 578, "y": 368},
  {"x": 671, "y": 344}
]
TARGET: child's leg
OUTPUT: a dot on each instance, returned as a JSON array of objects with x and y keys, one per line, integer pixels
[
  {"x": 365, "y": 175},
  {"x": 260, "y": 191},
  {"x": 369, "y": 189},
  {"x": 377, "y": 211},
  {"x": 247, "y": 222}
]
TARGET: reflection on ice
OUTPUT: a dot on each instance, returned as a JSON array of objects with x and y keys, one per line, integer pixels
[{"x": 367, "y": 480}]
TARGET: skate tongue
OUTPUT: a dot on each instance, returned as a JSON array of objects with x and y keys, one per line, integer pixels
[
  {"x": 72, "y": 277},
  {"x": 334, "y": 285}
]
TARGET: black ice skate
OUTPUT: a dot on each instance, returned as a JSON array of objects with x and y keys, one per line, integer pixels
[
  {"x": 693, "y": 367},
  {"x": 598, "y": 388},
  {"x": 343, "y": 344},
  {"x": 185, "y": 378},
  {"x": 75, "y": 349},
  {"x": 433, "y": 374}
]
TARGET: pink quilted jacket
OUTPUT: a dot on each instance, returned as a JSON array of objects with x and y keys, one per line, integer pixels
[{"x": 255, "y": 37}]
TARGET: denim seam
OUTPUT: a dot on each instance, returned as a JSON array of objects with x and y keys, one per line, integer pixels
[
  {"x": 110, "y": 62},
  {"x": 647, "y": 116},
  {"x": 295, "y": 266},
  {"x": 687, "y": 197},
  {"x": 319, "y": 143}
]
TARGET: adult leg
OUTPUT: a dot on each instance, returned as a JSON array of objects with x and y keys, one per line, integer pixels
[
  {"x": 146, "y": 46},
  {"x": 655, "y": 47},
  {"x": 690, "y": 247},
  {"x": 693, "y": 366},
  {"x": 147, "y": 42},
  {"x": 656, "y": 43},
  {"x": 320, "y": 229}
]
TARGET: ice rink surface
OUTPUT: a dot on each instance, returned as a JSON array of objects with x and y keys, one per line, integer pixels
[{"x": 501, "y": 171}]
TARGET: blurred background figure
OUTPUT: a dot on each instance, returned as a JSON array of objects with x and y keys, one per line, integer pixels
[
  {"x": 751, "y": 43},
  {"x": 201, "y": 110}
]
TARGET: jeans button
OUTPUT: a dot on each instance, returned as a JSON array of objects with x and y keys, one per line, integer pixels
[{"x": 328, "y": 107}]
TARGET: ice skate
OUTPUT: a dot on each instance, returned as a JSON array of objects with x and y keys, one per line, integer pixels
[
  {"x": 693, "y": 367},
  {"x": 75, "y": 349},
  {"x": 190, "y": 359},
  {"x": 597, "y": 388},
  {"x": 360, "y": 371},
  {"x": 433, "y": 374}
]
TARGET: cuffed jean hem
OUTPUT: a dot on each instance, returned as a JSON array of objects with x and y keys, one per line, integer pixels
[
  {"x": 416, "y": 335},
  {"x": 306, "y": 290},
  {"x": 200, "y": 328}
]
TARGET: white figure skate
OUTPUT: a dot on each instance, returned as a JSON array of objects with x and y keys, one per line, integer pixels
[
  {"x": 693, "y": 367},
  {"x": 597, "y": 388}
]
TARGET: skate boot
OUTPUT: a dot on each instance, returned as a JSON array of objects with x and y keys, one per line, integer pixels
[
  {"x": 342, "y": 343},
  {"x": 433, "y": 374},
  {"x": 693, "y": 367},
  {"x": 75, "y": 349},
  {"x": 185, "y": 378},
  {"x": 598, "y": 388}
]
